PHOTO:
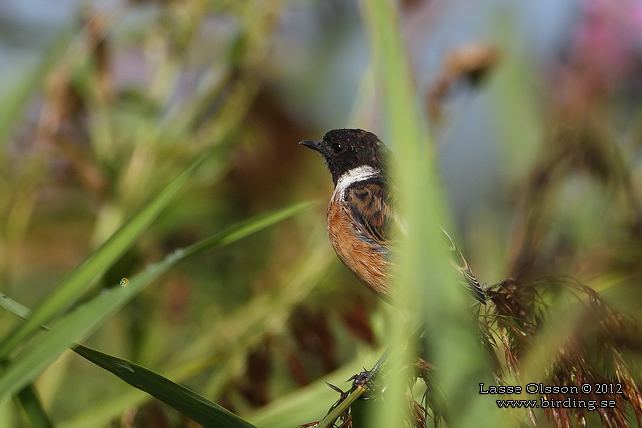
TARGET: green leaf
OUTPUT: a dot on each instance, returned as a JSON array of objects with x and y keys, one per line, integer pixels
[
  {"x": 71, "y": 328},
  {"x": 236, "y": 335},
  {"x": 187, "y": 402},
  {"x": 423, "y": 275},
  {"x": 415, "y": 254},
  {"x": 12, "y": 306},
  {"x": 248, "y": 227},
  {"x": 79, "y": 279}
]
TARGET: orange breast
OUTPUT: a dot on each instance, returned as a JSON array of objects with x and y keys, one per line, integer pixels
[{"x": 361, "y": 257}]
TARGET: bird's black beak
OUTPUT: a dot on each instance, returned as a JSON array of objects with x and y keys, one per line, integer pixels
[{"x": 314, "y": 145}]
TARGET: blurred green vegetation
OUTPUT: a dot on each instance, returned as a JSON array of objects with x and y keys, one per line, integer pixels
[
  {"x": 84, "y": 148},
  {"x": 124, "y": 101}
]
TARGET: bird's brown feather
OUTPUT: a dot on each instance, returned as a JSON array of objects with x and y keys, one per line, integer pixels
[{"x": 363, "y": 245}]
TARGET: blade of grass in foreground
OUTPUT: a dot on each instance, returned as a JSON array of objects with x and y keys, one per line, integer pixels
[
  {"x": 408, "y": 137},
  {"x": 215, "y": 351},
  {"x": 424, "y": 276},
  {"x": 192, "y": 405},
  {"x": 79, "y": 279},
  {"x": 180, "y": 398},
  {"x": 83, "y": 320}
]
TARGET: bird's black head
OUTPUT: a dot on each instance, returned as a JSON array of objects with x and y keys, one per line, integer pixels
[{"x": 345, "y": 149}]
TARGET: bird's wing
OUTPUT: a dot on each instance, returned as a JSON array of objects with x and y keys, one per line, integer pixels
[{"x": 371, "y": 209}]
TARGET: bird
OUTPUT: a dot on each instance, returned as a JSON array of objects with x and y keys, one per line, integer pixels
[
  {"x": 600, "y": 347},
  {"x": 361, "y": 216}
]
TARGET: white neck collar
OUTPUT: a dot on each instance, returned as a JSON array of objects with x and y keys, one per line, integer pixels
[{"x": 360, "y": 173}]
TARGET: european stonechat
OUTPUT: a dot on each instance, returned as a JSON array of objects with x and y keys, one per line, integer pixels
[{"x": 361, "y": 213}]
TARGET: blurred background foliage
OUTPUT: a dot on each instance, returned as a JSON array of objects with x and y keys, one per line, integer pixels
[{"x": 535, "y": 110}]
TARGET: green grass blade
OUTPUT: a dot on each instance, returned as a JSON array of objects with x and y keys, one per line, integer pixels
[
  {"x": 82, "y": 321},
  {"x": 32, "y": 408},
  {"x": 311, "y": 402},
  {"x": 236, "y": 335},
  {"x": 424, "y": 275},
  {"x": 79, "y": 279},
  {"x": 248, "y": 227},
  {"x": 328, "y": 421},
  {"x": 409, "y": 139},
  {"x": 187, "y": 402},
  {"x": 71, "y": 328},
  {"x": 12, "y": 306}
]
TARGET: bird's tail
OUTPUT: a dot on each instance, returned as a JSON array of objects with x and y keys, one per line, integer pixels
[{"x": 462, "y": 266}]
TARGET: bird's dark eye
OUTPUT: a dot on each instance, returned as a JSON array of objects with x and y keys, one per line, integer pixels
[{"x": 337, "y": 148}]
